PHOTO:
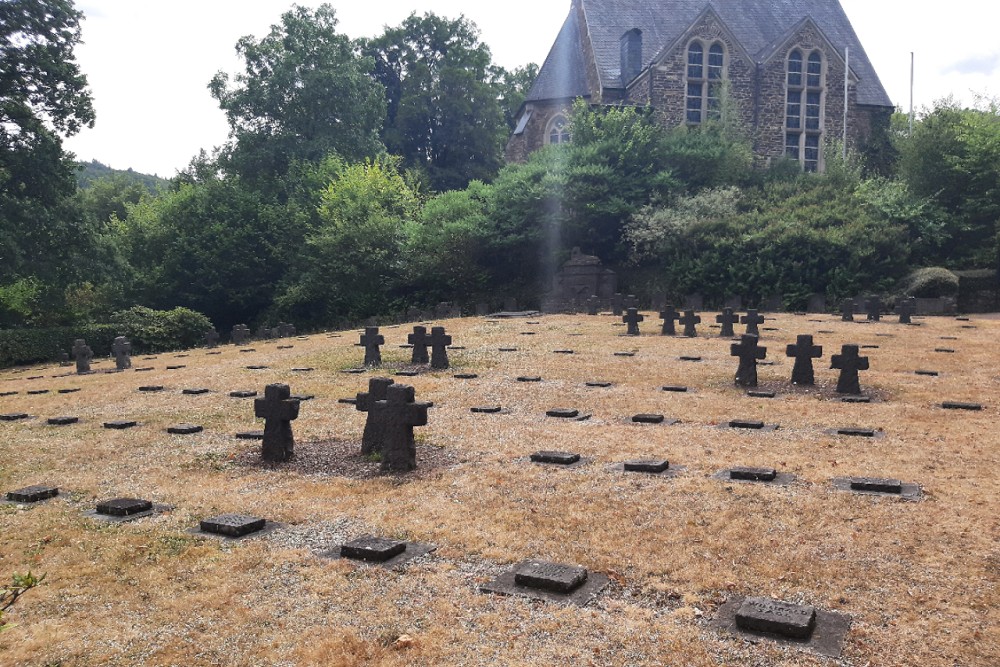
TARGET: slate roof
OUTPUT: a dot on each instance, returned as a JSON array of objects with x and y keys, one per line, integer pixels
[{"x": 759, "y": 25}]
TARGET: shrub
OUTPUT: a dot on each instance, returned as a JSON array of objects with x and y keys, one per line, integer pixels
[
  {"x": 930, "y": 283},
  {"x": 29, "y": 346},
  {"x": 160, "y": 330}
]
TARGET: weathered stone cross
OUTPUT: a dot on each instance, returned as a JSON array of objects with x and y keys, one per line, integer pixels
[
  {"x": 241, "y": 333},
  {"x": 849, "y": 363},
  {"x": 669, "y": 315},
  {"x": 418, "y": 339},
  {"x": 873, "y": 306},
  {"x": 616, "y": 304},
  {"x": 689, "y": 320},
  {"x": 752, "y": 319},
  {"x": 593, "y": 303},
  {"x": 749, "y": 352},
  {"x": 727, "y": 319},
  {"x": 439, "y": 347},
  {"x": 82, "y": 354},
  {"x": 371, "y": 440},
  {"x": 906, "y": 308},
  {"x": 632, "y": 319},
  {"x": 847, "y": 310},
  {"x": 372, "y": 340},
  {"x": 278, "y": 409},
  {"x": 212, "y": 338},
  {"x": 399, "y": 414},
  {"x": 122, "y": 348},
  {"x": 804, "y": 352}
]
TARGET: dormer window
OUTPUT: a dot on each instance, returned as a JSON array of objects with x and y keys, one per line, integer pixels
[
  {"x": 805, "y": 97},
  {"x": 706, "y": 70}
]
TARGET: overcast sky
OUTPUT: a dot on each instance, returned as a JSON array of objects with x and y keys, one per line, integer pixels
[{"x": 149, "y": 61}]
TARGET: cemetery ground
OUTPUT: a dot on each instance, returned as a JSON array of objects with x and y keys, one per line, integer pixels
[{"x": 918, "y": 579}]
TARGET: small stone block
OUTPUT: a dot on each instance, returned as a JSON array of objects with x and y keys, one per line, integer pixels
[
  {"x": 529, "y": 378},
  {"x": 120, "y": 424},
  {"x": 929, "y": 373},
  {"x": 250, "y": 435},
  {"x": 624, "y": 354},
  {"x": 377, "y": 549},
  {"x": 647, "y": 418},
  {"x": 152, "y": 387},
  {"x": 689, "y": 358},
  {"x": 195, "y": 392},
  {"x": 860, "y": 432},
  {"x": 753, "y": 474},
  {"x": 72, "y": 390},
  {"x": 232, "y": 525},
  {"x": 13, "y": 416},
  {"x": 62, "y": 421},
  {"x": 953, "y": 405},
  {"x": 301, "y": 397},
  {"x": 37, "y": 392},
  {"x": 32, "y": 494},
  {"x": 563, "y": 352},
  {"x": 143, "y": 370},
  {"x": 558, "y": 458},
  {"x": 856, "y": 399},
  {"x": 647, "y": 465},
  {"x": 766, "y": 615},
  {"x": 247, "y": 393},
  {"x": 124, "y": 506},
  {"x": 600, "y": 384},
  {"x": 550, "y": 576},
  {"x": 869, "y": 347},
  {"x": 185, "y": 429},
  {"x": 174, "y": 368},
  {"x": 675, "y": 389},
  {"x": 248, "y": 349},
  {"x": 489, "y": 409},
  {"x": 562, "y": 413},
  {"x": 882, "y": 485},
  {"x": 465, "y": 376},
  {"x": 745, "y": 423},
  {"x": 508, "y": 349},
  {"x": 286, "y": 347},
  {"x": 8, "y": 393},
  {"x": 304, "y": 369},
  {"x": 348, "y": 401},
  {"x": 947, "y": 350},
  {"x": 760, "y": 394},
  {"x": 256, "y": 367}
]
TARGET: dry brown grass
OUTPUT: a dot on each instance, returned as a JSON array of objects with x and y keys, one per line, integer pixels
[{"x": 919, "y": 579}]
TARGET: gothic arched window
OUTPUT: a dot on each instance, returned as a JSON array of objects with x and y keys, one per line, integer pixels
[
  {"x": 805, "y": 90},
  {"x": 559, "y": 131},
  {"x": 704, "y": 81}
]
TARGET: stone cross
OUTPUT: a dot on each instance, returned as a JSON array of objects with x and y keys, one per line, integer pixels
[
  {"x": 749, "y": 352},
  {"x": 418, "y": 339},
  {"x": 847, "y": 310},
  {"x": 593, "y": 303},
  {"x": 873, "y": 306},
  {"x": 240, "y": 334},
  {"x": 752, "y": 319},
  {"x": 439, "y": 347},
  {"x": 689, "y": 320},
  {"x": 372, "y": 340},
  {"x": 631, "y": 302},
  {"x": 906, "y": 309},
  {"x": 278, "y": 409},
  {"x": 804, "y": 352},
  {"x": 669, "y": 315},
  {"x": 82, "y": 354},
  {"x": 285, "y": 330},
  {"x": 263, "y": 333},
  {"x": 632, "y": 319},
  {"x": 122, "y": 349},
  {"x": 212, "y": 338},
  {"x": 616, "y": 304},
  {"x": 727, "y": 319},
  {"x": 371, "y": 440},
  {"x": 399, "y": 414},
  {"x": 849, "y": 363}
]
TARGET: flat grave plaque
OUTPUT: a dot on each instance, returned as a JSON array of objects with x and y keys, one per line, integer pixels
[
  {"x": 753, "y": 474},
  {"x": 37, "y": 392},
  {"x": 856, "y": 399},
  {"x": 754, "y": 393},
  {"x": 955, "y": 405},
  {"x": 948, "y": 337},
  {"x": 62, "y": 421},
  {"x": 151, "y": 388},
  {"x": 354, "y": 371},
  {"x": 598, "y": 383},
  {"x": 184, "y": 429},
  {"x": 624, "y": 354},
  {"x": 529, "y": 378},
  {"x": 563, "y": 352},
  {"x": 348, "y": 401},
  {"x": 174, "y": 368},
  {"x": 878, "y": 486},
  {"x": 32, "y": 494},
  {"x": 550, "y": 576},
  {"x": 370, "y": 548},
  {"x": 144, "y": 369},
  {"x": 124, "y": 506},
  {"x": 486, "y": 409},
  {"x": 675, "y": 389},
  {"x": 766, "y": 615},
  {"x": 928, "y": 373},
  {"x": 465, "y": 376},
  {"x": 303, "y": 369},
  {"x": 881, "y": 484},
  {"x": 688, "y": 358},
  {"x": 557, "y": 458},
  {"x": 816, "y": 630},
  {"x": 196, "y": 391},
  {"x": 120, "y": 424},
  {"x": 286, "y": 347},
  {"x": 562, "y": 413},
  {"x": 302, "y": 397},
  {"x": 71, "y": 390},
  {"x": 13, "y": 416},
  {"x": 746, "y": 423},
  {"x": 232, "y": 525},
  {"x": 870, "y": 347},
  {"x": 508, "y": 349},
  {"x": 552, "y": 582},
  {"x": 9, "y": 393},
  {"x": 256, "y": 367},
  {"x": 648, "y": 418},
  {"x": 857, "y": 431},
  {"x": 248, "y": 349},
  {"x": 646, "y": 465},
  {"x": 946, "y": 350},
  {"x": 243, "y": 393}
]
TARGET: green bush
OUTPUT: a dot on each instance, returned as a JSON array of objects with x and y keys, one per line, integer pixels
[
  {"x": 930, "y": 283},
  {"x": 160, "y": 330},
  {"x": 30, "y": 346}
]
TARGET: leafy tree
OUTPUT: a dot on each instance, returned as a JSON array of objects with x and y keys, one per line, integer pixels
[
  {"x": 512, "y": 88},
  {"x": 306, "y": 92},
  {"x": 42, "y": 94},
  {"x": 444, "y": 117}
]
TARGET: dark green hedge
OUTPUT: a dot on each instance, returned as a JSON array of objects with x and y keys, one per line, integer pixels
[{"x": 30, "y": 346}]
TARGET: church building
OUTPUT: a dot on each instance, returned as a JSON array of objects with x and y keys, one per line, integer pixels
[{"x": 783, "y": 63}]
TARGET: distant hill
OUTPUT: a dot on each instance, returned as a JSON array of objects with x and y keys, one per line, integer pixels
[{"x": 94, "y": 170}]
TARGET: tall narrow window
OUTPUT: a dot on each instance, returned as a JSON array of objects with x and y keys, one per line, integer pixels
[
  {"x": 559, "y": 131},
  {"x": 804, "y": 99},
  {"x": 704, "y": 81}
]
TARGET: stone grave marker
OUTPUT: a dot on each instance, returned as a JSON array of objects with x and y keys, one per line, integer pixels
[
  {"x": 878, "y": 486},
  {"x": 562, "y": 413},
  {"x": 194, "y": 391},
  {"x": 593, "y": 304},
  {"x": 849, "y": 363},
  {"x": 371, "y": 438},
  {"x": 382, "y": 551},
  {"x": 873, "y": 308},
  {"x": 371, "y": 340},
  {"x": 752, "y": 319},
  {"x": 632, "y": 319},
  {"x": 653, "y": 466},
  {"x": 278, "y": 410},
  {"x": 121, "y": 508},
  {"x": 32, "y": 494},
  {"x": 439, "y": 348},
  {"x": 243, "y": 393},
  {"x": 847, "y": 310},
  {"x": 62, "y": 421},
  {"x": 751, "y": 474},
  {"x": 184, "y": 429},
  {"x": 727, "y": 319},
  {"x": 554, "y": 582},
  {"x": 240, "y": 334},
  {"x": 486, "y": 409},
  {"x": 399, "y": 413},
  {"x": 748, "y": 352},
  {"x": 906, "y": 308},
  {"x": 689, "y": 321},
  {"x": 176, "y": 367},
  {"x": 13, "y": 416},
  {"x": 555, "y": 458},
  {"x": 83, "y": 355},
  {"x": 617, "y": 304},
  {"x": 804, "y": 352},
  {"x": 211, "y": 338},
  {"x": 601, "y": 384},
  {"x": 120, "y": 424},
  {"x": 418, "y": 339},
  {"x": 820, "y": 631},
  {"x": 955, "y": 405},
  {"x": 669, "y": 315},
  {"x": 675, "y": 389},
  {"x": 64, "y": 359},
  {"x": 232, "y": 525}
]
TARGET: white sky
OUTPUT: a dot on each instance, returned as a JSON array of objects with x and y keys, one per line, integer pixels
[{"x": 149, "y": 61}]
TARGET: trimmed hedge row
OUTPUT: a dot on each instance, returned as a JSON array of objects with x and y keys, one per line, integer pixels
[{"x": 31, "y": 346}]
